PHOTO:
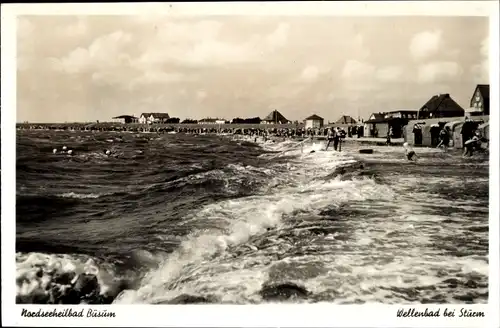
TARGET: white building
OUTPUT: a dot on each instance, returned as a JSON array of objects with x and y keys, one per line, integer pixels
[
  {"x": 211, "y": 121},
  {"x": 313, "y": 122},
  {"x": 149, "y": 118}
]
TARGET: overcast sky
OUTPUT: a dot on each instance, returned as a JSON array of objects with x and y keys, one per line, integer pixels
[{"x": 87, "y": 68}]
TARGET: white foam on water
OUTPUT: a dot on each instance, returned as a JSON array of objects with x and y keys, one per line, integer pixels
[
  {"x": 196, "y": 267},
  {"x": 34, "y": 272},
  {"x": 79, "y": 196}
]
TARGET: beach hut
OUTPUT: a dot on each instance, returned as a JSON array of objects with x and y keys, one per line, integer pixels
[
  {"x": 416, "y": 133},
  {"x": 313, "y": 121},
  {"x": 484, "y": 129},
  {"x": 452, "y": 127},
  {"x": 433, "y": 133},
  {"x": 458, "y": 141}
]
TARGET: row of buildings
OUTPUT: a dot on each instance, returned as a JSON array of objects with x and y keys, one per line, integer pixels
[
  {"x": 275, "y": 117},
  {"x": 422, "y": 126},
  {"x": 418, "y": 126}
]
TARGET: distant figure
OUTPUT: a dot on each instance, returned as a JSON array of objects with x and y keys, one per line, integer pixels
[
  {"x": 108, "y": 152},
  {"x": 54, "y": 151},
  {"x": 389, "y": 136},
  {"x": 331, "y": 134},
  {"x": 336, "y": 138},
  {"x": 70, "y": 152},
  {"x": 64, "y": 148},
  {"x": 410, "y": 153},
  {"x": 444, "y": 138}
]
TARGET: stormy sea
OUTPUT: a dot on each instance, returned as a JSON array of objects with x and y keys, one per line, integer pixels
[{"x": 178, "y": 218}]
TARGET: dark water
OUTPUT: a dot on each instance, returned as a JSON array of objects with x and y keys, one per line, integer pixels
[{"x": 217, "y": 217}]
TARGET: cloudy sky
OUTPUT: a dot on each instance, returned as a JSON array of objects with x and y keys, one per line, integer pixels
[{"x": 87, "y": 68}]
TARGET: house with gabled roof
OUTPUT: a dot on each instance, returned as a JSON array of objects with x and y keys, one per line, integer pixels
[
  {"x": 346, "y": 119},
  {"x": 314, "y": 121},
  {"x": 150, "y": 118},
  {"x": 275, "y": 117},
  {"x": 480, "y": 100},
  {"x": 440, "y": 106}
]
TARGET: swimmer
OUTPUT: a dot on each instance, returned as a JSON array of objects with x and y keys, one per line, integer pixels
[
  {"x": 107, "y": 152},
  {"x": 54, "y": 151},
  {"x": 64, "y": 148},
  {"x": 70, "y": 152},
  {"x": 410, "y": 153}
]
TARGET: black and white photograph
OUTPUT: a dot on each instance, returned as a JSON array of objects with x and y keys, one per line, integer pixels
[{"x": 164, "y": 159}]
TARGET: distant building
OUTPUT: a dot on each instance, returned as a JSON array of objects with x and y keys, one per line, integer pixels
[
  {"x": 379, "y": 124},
  {"x": 252, "y": 120},
  {"x": 211, "y": 121},
  {"x": 480, "y": 101},
  {"x": 346, "y": 119},
  {"x": 275, "y": 117},
  {"x": 314, "y": 121},
  {"x": 376, "y": 125},
  {"x": 402, "y": 113},
  {"x": 149, "y": 118},
  {"x": 125, "y": 119},
  {"x": 440, "y": 106}
]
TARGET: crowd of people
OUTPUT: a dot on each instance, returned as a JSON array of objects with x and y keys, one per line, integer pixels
[
  {"x": 333, "y": 135},
  {"x": 286, "y": 132}
]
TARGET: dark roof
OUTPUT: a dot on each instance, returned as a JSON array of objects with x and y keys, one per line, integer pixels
[
  {"x": 275, "y": 116},
  {"x": 386, "y": 120},
  {"x": 346, "y": 119},
  {"x": 314, "y": 117},
  {"x": 403, "y": 111},
  {"x": 441, "y": 103},
  {"x": 485, "y": 90},
  {"x": 125, "y": 116},
  {"x": 378, "y": 117},
  {"x": 210, "y": 119},
  {"x": 156, "y": 115}
]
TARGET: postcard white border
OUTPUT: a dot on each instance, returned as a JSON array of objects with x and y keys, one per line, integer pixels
[{"x": 316, "y": 315}]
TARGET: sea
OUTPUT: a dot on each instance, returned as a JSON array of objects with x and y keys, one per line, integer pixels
[{"x": 155, "y": 216}]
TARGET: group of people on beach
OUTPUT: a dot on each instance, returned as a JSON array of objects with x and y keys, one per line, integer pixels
[
  {"x": 470, "y": 144},
  {"x": 335, "y": 135}
]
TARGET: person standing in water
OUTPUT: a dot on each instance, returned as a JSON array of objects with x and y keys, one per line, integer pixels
[
  {"x": 410, "y": 153},
  {"x": 330, "y": 135},
  {"x": 336, "y": 138}
]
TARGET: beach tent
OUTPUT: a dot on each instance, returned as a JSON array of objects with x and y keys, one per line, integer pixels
[
  {"x": 417, "y": 131},
  {"x": 434, "y": 130},
  {"x": 457, "y": 135},
  {"x": 452, "y": 126}
]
